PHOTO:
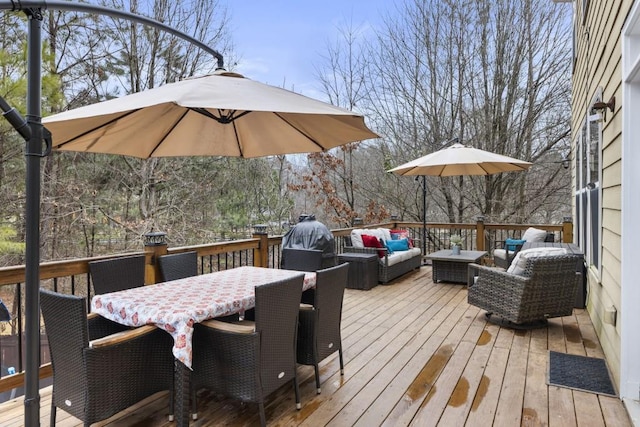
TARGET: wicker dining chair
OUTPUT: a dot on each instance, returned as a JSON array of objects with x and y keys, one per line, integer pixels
[
  {"x": 178, "y": 266},
  {"x": 547, "y": 288},
  {"x": 96, "y": 375},
  {"x": 250, "y": 360},
  {"x": 319, "y": 324},
  {"x": 302, "y": 260},
  {"x": 117, "y": 274}
]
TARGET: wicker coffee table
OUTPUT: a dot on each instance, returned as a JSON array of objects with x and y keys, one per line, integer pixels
[{"x": 453, "y": 268}]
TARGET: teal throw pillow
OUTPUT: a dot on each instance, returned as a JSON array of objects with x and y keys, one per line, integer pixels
[
  {"x": 398, "y": 245},
  {"x": 513, "y": 244},
  {"x": 389, "y": 247}
]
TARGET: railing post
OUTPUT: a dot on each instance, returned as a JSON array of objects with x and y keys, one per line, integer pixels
[
  {"x": 567, "y": 229},
  {"x": 394, "y": 220},
  {"x": 480, "y": 242},
  {"x": 155, "y": 245},
  {"x": 261, "y": 253}
]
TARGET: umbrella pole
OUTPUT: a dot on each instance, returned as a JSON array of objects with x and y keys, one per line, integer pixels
[
  {"x": 424, "y": 216},
  {"x": 33, "y": 155}
]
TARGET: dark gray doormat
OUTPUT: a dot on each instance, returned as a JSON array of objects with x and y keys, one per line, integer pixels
[{"x": 580, "y": 373}]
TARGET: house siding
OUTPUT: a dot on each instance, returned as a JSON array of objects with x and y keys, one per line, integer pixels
[{"x": 598, "y": 63}]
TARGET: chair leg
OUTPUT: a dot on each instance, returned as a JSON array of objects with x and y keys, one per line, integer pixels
[
  {"x": 317, "y": 374},
  {"x": 194, "y": 403},
  {"x": 296, "y": 389},
  {"x": 341, "y": 361},
  {"x": 263, "y": 417},
  {"x": 52, "y": 417},
  {"x": 171, "y": 401}
]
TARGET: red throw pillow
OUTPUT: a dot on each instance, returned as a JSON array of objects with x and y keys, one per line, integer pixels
[{"x": 372, "y": 242}]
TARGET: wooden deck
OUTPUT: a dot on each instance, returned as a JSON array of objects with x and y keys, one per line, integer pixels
[{"x": 415, "y": 354}]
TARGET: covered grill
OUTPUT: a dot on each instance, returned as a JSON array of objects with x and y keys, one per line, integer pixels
[{"x": 309, "y": 233}]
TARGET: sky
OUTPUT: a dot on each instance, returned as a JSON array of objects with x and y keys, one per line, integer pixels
[{"x": 280, "y": 41}]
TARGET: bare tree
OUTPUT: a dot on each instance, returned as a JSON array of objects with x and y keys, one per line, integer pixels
[
  {"x": 97, "y": 58},
  {"x": 333, "y": 179},
  {"x": 493, "y": 73}
]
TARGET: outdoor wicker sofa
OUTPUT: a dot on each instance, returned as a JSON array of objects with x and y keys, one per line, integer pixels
[
  {"x": 391, "y": 265},
  {"x": 538, "y": 287}
]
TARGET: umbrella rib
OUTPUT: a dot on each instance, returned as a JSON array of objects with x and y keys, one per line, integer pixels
[
  {"x": 164, "y": 137},
  {"x": 299, "y": 131},
  {"x": 95, "y": 128}
]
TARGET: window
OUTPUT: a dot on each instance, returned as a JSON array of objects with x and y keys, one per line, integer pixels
[{"x": 588, "y": 205}]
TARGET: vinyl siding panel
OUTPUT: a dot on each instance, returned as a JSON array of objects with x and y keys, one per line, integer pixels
[{"x": 598, "y": 67}]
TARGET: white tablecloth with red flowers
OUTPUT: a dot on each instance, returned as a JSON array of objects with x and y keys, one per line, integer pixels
[{"x": 177, "y": 305}]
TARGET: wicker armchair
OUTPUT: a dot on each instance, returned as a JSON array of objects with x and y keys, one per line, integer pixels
[
  {"x": 250, "y": 360},
  {"x": 546, "y": 289},
  {"x": 117, "y": 274},
  {"x": 319, "y": 326},
  {"x": 178, "y": 266},
  {"x": 93, "y": 380}
]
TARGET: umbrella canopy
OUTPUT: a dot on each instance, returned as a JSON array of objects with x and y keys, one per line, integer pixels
[
  {"x": 222, "y": 114},
  {"x": 461, "y": 160}
]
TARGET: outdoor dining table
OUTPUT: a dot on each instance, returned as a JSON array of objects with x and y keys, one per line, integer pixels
[{"x": 176, "y": 306}]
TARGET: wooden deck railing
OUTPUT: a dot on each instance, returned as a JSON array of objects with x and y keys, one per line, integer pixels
[{"x": 72, "y": 276}]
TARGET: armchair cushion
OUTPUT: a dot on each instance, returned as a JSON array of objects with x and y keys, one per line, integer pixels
[
  {"x": 519, "y": 263},
  {"x": 512, "y": 244},
  {"x": 532, "y": 234}
]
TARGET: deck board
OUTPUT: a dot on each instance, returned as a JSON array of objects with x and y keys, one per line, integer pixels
[{"x": 415, "y": 354}]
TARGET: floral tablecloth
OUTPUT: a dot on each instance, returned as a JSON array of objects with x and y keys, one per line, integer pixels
[{"x": 177, "y": 305}]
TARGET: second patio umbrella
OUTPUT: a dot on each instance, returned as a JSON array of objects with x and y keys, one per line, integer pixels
[{"x": 456, "y": 160}]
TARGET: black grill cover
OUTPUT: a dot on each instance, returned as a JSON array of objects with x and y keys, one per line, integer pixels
[{"x": 309, "y": 233}]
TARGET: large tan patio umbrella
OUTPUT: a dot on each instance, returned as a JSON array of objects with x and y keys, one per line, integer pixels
[
  {"x": 456, "y": 160},
  {"x": 222, "y": 114}
]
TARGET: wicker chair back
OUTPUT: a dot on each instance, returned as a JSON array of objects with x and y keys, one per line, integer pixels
[
  {"x": 301, "y": 259},
  {"x": 117, "y": 274},
  {"x": 319, "y": 329},
  {"x": 178, "y": 266}
]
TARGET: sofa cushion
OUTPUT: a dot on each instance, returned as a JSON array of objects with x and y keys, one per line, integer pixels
[
  {"x": 400, "y": 256},
  {"x": 398, "y": 245},
  {"x": 519, "y": 263},
  {"x": 370, "y": 241},
  {"x": 401, "y": 234},
  {"x": 380, "y": 233},
  {"x": 532, "y": 234}
]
